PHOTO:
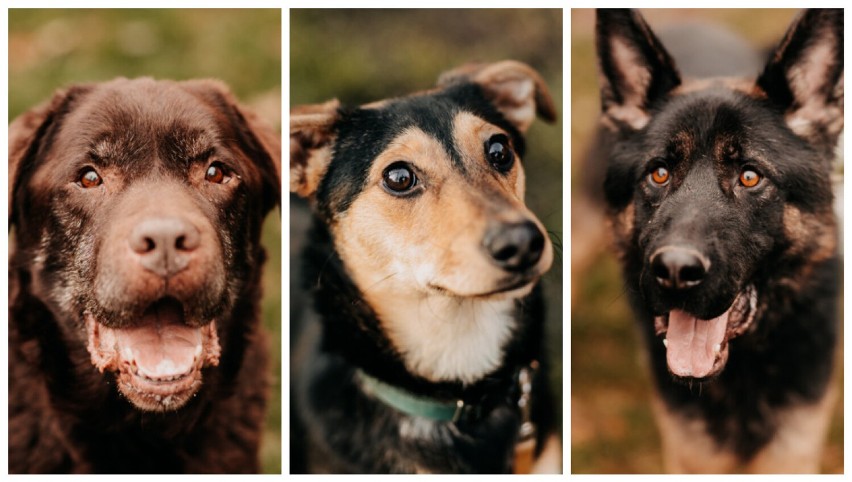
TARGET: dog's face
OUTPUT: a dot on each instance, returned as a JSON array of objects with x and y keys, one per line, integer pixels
[
  {"x": 424, "y": 195},
  {"x": 712, "y": 182},
  {"x": 137, "y": 206}
]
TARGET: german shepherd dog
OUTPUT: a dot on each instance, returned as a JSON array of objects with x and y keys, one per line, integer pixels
[
  {"x": 421, "y": 352},
  {"x": 721, "y": 206}
]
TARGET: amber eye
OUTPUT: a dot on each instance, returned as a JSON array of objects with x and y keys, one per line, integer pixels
[
  {"x": 749, "y": 178},
  {"x": 660, "y": 175},
  {"x": 399, "y": 178},
  {"x": 215, "y": 173},
  {"x": 499, "y": 154},
  {"x": 89, "y": 178}
]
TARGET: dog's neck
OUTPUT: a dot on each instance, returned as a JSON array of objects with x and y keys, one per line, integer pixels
[{"x": 446, "y": 339}]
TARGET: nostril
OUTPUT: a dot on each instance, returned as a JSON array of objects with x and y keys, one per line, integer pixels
[
  {"x": 180, "y": 243},
  {"x": 659, "y": 269},
  {"x": 537, "y": 243},
  {"x": 150, "y": 245},
  {"x": 692, "y": 273},
  {"x": 505, "y": 253}
]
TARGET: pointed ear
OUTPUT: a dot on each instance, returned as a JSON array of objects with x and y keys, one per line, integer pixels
[
  {"x": 257, "y": 139},
  {"x": 515, "y": 89},
  {"x": 27, "y": 132},
  {"x": 311, "y": 140},
  {"x": 634, "y": 68},
  {"x": 804, "y": 76}
]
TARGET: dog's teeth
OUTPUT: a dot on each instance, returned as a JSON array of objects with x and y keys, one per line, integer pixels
[
  {"x": 665, "y": 342},
  {"x": 717, "y": 349},
  {"x": 198, "y": 351}
]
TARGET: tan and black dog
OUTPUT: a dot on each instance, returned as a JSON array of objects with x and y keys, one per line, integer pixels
[
  {"x": 721, "y": 202},
  {"x": 424, "y": 349}
]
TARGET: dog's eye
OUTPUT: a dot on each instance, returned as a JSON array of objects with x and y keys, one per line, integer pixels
[
  {"x": 660, "y": 175},
  {"x": 216, "y": 174},
  {"x": 499, "y": 154},
  {"x": 399, "y": 178},
  {"x": 749, "y": 178},
  {"x": 89, "y": 178}
]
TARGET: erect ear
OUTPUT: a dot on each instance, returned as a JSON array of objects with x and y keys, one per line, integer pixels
[
  {"x": 804, "y": 76},
  {"x": 257, "y": 139},
  {"x": 26, "y": 134},
  {"x": 634, "y": 68},
  {"x": 515, "y": 89},
  {"x": 311, "y": 140}
]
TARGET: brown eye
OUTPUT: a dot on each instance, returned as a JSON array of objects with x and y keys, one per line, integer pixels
[
  {"x": 660, "y": 175},
  {"x": 499, "y": 154},
  {"x": 89, "y": 178},
  {"x": 215, "y": 173},
  {"x": 399, "y": 178},
  {"x": 749, "y": 178}
]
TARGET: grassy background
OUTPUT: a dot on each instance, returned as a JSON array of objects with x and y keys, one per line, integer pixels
[
  {"x": 360, "y": 56},
  {"x": 49, "y": 49},
  {"x": 612, "y": 429}
]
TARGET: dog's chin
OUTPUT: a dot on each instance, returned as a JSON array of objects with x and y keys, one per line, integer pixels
[
  {"x": 697, "y": 349},
  {"x": 157, "y": 361}
]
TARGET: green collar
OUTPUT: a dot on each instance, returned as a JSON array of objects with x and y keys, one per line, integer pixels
[{"x": 409, "y": 403}]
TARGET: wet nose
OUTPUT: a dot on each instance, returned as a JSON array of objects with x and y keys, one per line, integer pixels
[
  {"x": 514, "y": 247},
  {"x": 678, "y": 268},
  {"x": 164, "y": 245}
]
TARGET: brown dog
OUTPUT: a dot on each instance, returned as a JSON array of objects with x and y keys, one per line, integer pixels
[{"x": 134, "y": 343}]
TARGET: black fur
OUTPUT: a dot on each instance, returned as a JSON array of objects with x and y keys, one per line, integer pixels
[{"x": 705, "y": 138}]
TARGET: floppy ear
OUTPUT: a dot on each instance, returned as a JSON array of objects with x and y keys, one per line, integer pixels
[
  {"x": 260, "y": 142},
  {"x": 515, "y": 89},
  {"x": 804, "y": 76},
  {"x": 311, "y": 140},
  {"x": 26, "y": 134},
  {"x": 633, "y": 67}
]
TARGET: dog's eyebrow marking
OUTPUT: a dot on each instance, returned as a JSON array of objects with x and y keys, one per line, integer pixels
[{"x": 189, "y": 145}]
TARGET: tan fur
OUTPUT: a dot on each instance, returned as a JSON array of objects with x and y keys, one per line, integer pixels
[
  {"x": 812, "y": 233},
  {"x": 622, "y": 225},
  {"x": 311, "y": 139},
  {"x": 797, "y": 446},
  {"x": 419, "y": 261},
  {"x": 687, "y": 448}
]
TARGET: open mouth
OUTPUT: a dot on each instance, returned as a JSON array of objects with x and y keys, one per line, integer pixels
[
  {"x": 698, "y": 349},
  {"x": 158, "y": 360}
]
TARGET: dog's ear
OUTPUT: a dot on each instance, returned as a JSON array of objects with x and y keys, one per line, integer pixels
[
  {"x": 257, "y": 139},
  {"x": 311, "y": 140},
  {"x": 633, "y": 67},
  {"x": 26, "y": 135},
  {"x": 515, "y": 89},
  {"x": 804, "y": 76}
]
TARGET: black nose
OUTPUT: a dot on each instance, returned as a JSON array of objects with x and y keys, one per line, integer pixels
[
  {"x": 514, "y": 247},
  {"x": 164, "y": 245},
  {"x": 678, "y": 268}
]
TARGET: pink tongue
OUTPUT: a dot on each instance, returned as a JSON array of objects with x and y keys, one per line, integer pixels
[
  {"x": 162, "y": 347},
  {"x": 690, "y": 343}
]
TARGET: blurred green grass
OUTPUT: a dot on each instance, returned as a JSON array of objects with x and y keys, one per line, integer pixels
[
  {"x": 612, "y": 428},
  {"x": 359, "y": 56},
  {"x": 52, "y": 48}
]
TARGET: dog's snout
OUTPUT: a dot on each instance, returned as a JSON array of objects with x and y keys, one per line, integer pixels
[
  {"x": 514, "y": 247},
  {"x": 678, "y": 268},
  {"x": 164, "y": 245}
]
